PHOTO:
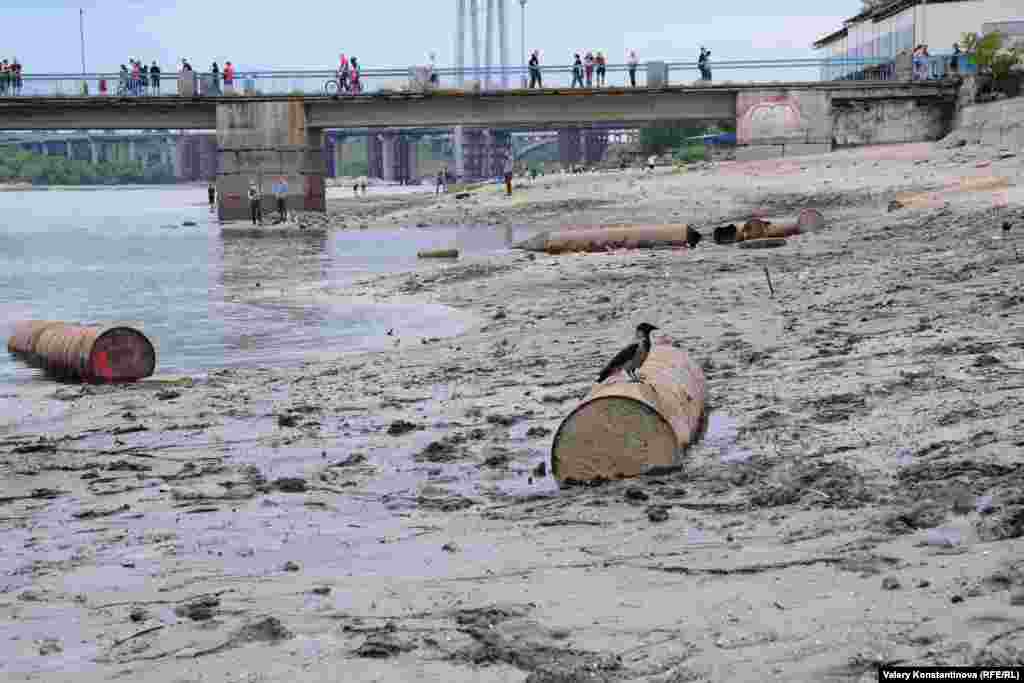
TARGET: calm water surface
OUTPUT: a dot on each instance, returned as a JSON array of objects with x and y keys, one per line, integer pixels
[{"x": 123, "y": 255}]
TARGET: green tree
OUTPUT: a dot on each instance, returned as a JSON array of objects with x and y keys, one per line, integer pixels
[
  {"x": 990, "y": 53},
  {"x": 660, "y": 138}
]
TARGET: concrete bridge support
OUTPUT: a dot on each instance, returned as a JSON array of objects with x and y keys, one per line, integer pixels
[
  {"x": 374, "y": 157},
  {"x": 595, "y": 145},
  {"x": 570, "y": 150},
  {"x": 260, "y": 142}
]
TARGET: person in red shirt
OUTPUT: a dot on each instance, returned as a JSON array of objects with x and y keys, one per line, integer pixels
[
  {"x": 229, "y": 74},
  {"x": 136, "y": 77}
]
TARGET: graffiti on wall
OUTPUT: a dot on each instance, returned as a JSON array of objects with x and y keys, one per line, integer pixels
[{"x": 768, "y": 117}]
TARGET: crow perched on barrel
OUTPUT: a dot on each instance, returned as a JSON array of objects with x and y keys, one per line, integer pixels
[{"x": 632, "y": 357}]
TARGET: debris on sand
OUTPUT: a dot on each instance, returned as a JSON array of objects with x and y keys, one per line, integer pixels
[{"x": 399, "y": 427}]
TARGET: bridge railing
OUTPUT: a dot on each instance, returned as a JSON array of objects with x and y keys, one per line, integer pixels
[{"x": 383, "y": 81}]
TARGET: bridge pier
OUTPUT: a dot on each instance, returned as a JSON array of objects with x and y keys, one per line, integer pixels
[
  {"x": 569, "y": 148},
  {"x": 260, "y": 142}
]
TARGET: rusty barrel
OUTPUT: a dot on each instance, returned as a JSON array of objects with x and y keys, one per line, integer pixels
[
  {"x": 99, "y": 354},
  {"x": 623, "y": 428},
  {"x": 602, "y": 239},
  {"x": 809, "y": 220}
]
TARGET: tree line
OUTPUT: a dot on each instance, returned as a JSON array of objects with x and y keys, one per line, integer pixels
[{"x": 17, "y": 165}]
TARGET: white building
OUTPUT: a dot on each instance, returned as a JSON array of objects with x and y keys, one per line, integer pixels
[{"x": 883, "y": 33}]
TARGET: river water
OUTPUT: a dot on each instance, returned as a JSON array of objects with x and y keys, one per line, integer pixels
[{"x": 123, "y": 255}]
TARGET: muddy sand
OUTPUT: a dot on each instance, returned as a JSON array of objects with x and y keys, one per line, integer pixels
[{"x": 389, "y": 517}]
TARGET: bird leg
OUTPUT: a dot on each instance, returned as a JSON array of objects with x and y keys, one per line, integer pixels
[{"x": 634, "y": 376}]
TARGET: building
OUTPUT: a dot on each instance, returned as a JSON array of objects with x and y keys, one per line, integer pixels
[{"x": 881, "y": 35}]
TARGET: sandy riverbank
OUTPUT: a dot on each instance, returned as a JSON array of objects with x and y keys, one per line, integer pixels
[{"x": 381, "y": 516}]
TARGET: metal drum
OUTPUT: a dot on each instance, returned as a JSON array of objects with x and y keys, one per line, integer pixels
[{"x": 109, "y": 354}]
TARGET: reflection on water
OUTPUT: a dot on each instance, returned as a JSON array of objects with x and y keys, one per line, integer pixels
[{"x": 207, "y": 300}]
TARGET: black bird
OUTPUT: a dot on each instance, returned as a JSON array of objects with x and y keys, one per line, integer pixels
[
  {"x": 1006, "y": 226},
  {"x": 632, "y": 357}
]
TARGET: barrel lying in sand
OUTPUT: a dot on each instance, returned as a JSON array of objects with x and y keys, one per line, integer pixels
[
  {"x": 602, "y": 239},
  {"x": 90, "y": 354},
  {"x": 438, "y": 253},
  {"x": 623, "y": 428}
]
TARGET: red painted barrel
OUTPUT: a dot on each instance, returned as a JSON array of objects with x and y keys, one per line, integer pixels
[{"x": 113, "y": 353}]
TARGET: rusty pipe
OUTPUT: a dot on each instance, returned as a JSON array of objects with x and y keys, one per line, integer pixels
[
  {"x": 623, "y": 428},
  {"x": 602, "y": 239},
  {"x": 97, "y": 354}
]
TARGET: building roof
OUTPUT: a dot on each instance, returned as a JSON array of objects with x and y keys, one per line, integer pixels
[
  {"x": 831, "y": 38},
  {"x": 875, "y": 14}
]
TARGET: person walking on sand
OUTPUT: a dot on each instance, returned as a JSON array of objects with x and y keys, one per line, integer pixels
[
  {"x": 577, "y": 71},
  {"x": 632, "y": 62},
  {"x": 588, "y": 69},
  {"x": 601, "y": 69},
  {"x": 535, "y": 80},
  {"x": 255, "y": 209},
  {"x": 442, "y": 175}
]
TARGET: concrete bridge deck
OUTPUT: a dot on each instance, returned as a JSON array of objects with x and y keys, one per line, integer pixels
[{"x": 443, "y": 108}]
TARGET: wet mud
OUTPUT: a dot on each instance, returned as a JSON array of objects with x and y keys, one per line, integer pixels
[{"x": 855, "y": 497}]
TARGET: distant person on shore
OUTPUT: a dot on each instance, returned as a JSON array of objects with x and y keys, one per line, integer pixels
[
  {"x": 509, "y": 168},
  {"x": 632, "y": 63},
  {"x": 281, "y": 192},
  {"x": 154, "y": 77},
  {"x": 255, "y": 207},
  {"x": 535, "y": 80},
  {"x": 363, "y": 185},
  {"x": 601, "y": 69},
  {"x": 355, "y": 189},
  {"x": 211, "y": 192},
  {"x": 442, "y": 175},
  {"x": 954, "y": 61},
  {"x": 577, "y": 70}
]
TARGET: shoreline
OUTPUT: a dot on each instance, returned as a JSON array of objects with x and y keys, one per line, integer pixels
[{"x": 856, "y": 498}]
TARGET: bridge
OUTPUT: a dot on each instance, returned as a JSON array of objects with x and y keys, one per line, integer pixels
[{"x": 264, "y": 136}]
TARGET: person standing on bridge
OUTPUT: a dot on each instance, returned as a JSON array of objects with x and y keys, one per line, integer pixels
[
  {"x": 144, "y": 76},
  {"x": 535, "y": 80},
  {"x": 16, "y": 74},
  {"x": 154, "y": 77},
  {"x": 588, "y": 69},
  {"x": 136, "y": 77},
  {"x": 632, "y": 63},
  {"x": 601, "y": 69},
  {"x": 577, "y": 71},
  {"x": 5, "y": 77},
  {"x": 357, "y": 86},
  {"x": 214, "y": 79},
  {"x": 229, "y": 77}
]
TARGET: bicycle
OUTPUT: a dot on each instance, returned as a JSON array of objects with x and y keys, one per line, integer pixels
[{"x": 338, "y": 84}]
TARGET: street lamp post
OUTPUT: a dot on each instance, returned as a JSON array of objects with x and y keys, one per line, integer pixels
[
  {"x": 522, "y": 3},
  {"x": 81, "y": 33}
]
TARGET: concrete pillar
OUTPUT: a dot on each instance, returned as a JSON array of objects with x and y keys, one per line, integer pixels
[
  {"x": 69, "y": 150},
  {"x": 374, "y": 156},
  {"x": 339, "y": 155},
  {"x": 458, "y": 142},
  {"x": 44, "y": 149},
  {"x": 94, "y": 152},
  {"x": 389, "y": 156},
  {"x": 131, "y": 150},
  {"x": 569, "y": 146},
  {"x": 595, "y": 144},
  {"x": 259, "y": 142},
  {"x": 412, "y": 146}
]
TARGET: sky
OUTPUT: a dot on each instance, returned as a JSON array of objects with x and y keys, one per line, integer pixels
[{"x": 310, "y": 34}]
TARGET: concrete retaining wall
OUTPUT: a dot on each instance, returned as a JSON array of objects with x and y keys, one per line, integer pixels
[
  {"x": 876, "y": 122},
  {"x": 992, "y": 123}
]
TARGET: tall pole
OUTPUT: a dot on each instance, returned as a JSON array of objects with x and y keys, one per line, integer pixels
[
  {"x": 489, "y": 45},
  {"x": 503, "y": 43},
  {"x": 81, "y": 34},
  {"x": 474, "y": 32},
  {"x": 460, "y": 41},
  {"x": 522, "y": 3}
]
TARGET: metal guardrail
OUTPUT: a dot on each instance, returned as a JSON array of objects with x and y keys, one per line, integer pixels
[{"x": 300, "y": 82}]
